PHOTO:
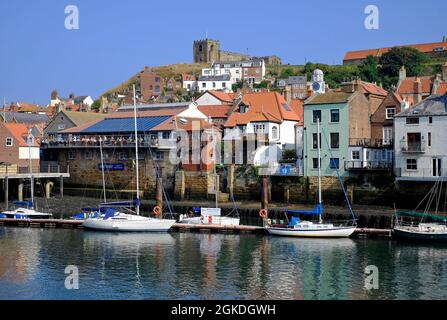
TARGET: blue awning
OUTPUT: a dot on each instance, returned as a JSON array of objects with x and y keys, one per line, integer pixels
[{"x": 125, "y": 125}]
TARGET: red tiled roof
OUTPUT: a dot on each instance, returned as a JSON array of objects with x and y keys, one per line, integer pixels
[
  {"x": 219, "y": 111},
  {"x": 373, "y": 88},
  {"x": 20, "y": 132},
  {"x": 173, "y": 123},
  {"x": 298, "y": 107},
  {"x": 363, "y": 54},
  {"x": 263, "y": 106},
  {"x": 188, "y": 77},
  {"x": 407, "y": 85},
  {"x": 223, "y": 96},
  {"x": 442, "y": 89}
]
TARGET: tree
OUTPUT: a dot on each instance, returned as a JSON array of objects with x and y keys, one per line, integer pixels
[
  {"x": 393, "y": 60},
  {"x": 287, "y": 72},
  {"x": 368, "y": 70},
  {"x": 237, "y": 85},
  {"x": 96, "y": 105}
]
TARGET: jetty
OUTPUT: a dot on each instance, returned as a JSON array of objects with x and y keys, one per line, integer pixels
[{"x": 179, "y": 227}]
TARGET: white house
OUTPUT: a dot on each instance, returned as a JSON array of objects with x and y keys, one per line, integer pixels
[
  {"x": 420, "y": 135},
  {"x": 253, "y": 71},
  {"x": 222, "y": 82},
  {"x": 268, "y": 118}
]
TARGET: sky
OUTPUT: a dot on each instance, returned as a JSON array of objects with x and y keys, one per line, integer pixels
[{"x": 117, "y": 38}]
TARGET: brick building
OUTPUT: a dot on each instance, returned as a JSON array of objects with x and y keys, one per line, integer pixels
[{"x": 151, "y": 84}]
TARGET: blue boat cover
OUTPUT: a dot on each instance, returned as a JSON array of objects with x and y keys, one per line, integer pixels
[
  {"x": 125, "y": 125},
  {"x": 317, "y": 210},
  {"x": 27, "y": 204},
  {"x": 294, "y": 221},
  {"x": 110, "y": 212},
  {"x": 2, "y": 216}
]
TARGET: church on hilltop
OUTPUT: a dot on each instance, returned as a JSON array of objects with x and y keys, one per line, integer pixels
[{"x": 208, "y": 51}]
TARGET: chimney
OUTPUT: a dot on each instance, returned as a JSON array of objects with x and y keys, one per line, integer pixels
[
  {"x": 288, "y": 94},
  {"x": 436, "y": 84},
  {"x": 444, "y": 72},
  {"x": 405, "y": 104},
  {"x": 402, "y": 75},
  {"x": 417, "y": 90}
]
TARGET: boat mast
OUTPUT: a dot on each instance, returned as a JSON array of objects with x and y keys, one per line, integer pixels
[
  {"x": 319, "y": 167},
  {"x": 136, "y": 150},
  {"x": 102, "y": 171},
  {"x": 29, "y": 142},
  {"x": 216, "y": 187}
]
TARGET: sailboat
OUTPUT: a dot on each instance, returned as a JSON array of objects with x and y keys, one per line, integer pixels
[
  {"x": 414, "y": 225},
  {"x": 213, "y": 215},
  {"x": 116, "y": 220},
  {"x": 301, "y": 228},
  {"x": 27, "y": 209}
]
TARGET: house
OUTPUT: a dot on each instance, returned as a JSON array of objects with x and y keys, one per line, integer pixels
[
  {"x": 344, "y": 119},
  {"x": 189, "y": 82},
  {"x": 151, "y": 84},
  {"x": 252, "y": 71},
  {"x": 436, "y": 50},
  {"x": 222, "y": 83},
  {"x": 295, "y": 88},
  {"x": 173, "y": 85},
  {"x": 18, "y": 146},
  {"x": 68, "y": 119},
  {"x": 270, "y": 121},
  {"x": 416, "y": 89},
  {"x": 213, "y": 97},
  {"x": 420, "y": 133},
  {"x": 35, "y": 122},
  {"x": 217, "y": 114},
  {"x": 382, "y": 120},
  {"x": 84, "y": 101}
]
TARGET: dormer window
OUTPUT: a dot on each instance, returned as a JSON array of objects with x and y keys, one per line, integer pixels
[{"x": 243, "y": 109}]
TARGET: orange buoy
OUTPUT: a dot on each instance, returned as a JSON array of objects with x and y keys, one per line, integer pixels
[
  {"x": 263, "y": 213},
  {"x": 156, "y": 210}
]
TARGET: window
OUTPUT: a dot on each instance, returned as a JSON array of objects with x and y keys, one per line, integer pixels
[
  {"x": 315, "y": 163},
  {"x": 88, "y": 155},
  {"x": 214, "y": 84},
  {"x": 9, "y": 142},
  {"x": 159, "y": 155},
  {"x": 224, "y": 84},
  {"x": 315, "y": 141},
  {"x": 166, "y": 134},
  {"x": 413, "y": 120},
  {"x": 275, "y": 133},
  {"x": 203, "y": 84},
  {"x": 334, "y": 163},
  {"x": 390, "y": 112},
  {"x": 157, "y": 88},
  {"x": 285, "y": 106},
  {"x": 429, "y": 139},
  {"x": 316, "y": 115},
  {"x": 157, "y": 79},
  {"x": 387, "y": 135},
  {"x": 71, "y": 155},
  {"x": 335, "y": 115},
  {"x": 61, "y": 126},
  {"x": 412, "y": 164},
  {"x": 259, "y": 128},
  {"x": 355, "y": 155},
  {"x": 430, "y": 119},
  {"x": 335, "y": 140}
]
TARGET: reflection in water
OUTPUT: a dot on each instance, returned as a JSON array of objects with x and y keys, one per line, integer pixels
[{"x": 213, "y": 266}]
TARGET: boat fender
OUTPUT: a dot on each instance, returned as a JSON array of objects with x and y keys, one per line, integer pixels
[
  {"x": 156, "y": 210},
  {"x": 263, "y": 213},
  {"x": 210, "y": 219}
]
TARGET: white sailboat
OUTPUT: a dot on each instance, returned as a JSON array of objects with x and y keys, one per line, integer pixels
[
  {"x": 212, "y": 216},
  {"x": 115, "y": 220},
  {"x": 308, "y": 229},
  {"x": 27, "y": 209}
]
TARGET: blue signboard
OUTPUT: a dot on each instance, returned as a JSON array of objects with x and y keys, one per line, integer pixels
[
  {"x": 284, "y": 170},
  {"x": 112, "y": 166}
]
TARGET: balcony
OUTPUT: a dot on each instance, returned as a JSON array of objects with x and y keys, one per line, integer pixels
[
  {"x": 164, "y": 143},
  {"x": 359, "y": 165},
  {"x": 412, "y": 147},
  {"x": 371, "y": 143}
]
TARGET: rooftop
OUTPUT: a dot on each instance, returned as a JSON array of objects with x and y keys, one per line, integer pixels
[
  {"x": 332, "y": 97},
  {"x": 433, "y": 105}
]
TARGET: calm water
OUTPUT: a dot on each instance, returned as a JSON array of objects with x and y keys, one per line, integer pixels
[{"x": 213, "y": 266}]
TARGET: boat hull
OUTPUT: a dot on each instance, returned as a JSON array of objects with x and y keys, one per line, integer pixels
[
  {"x": 336, "y": 232},
  {"x": 418, "y": 236},
  {"x": 137, "y": 225},
  {"x": 26, "y": 214}
]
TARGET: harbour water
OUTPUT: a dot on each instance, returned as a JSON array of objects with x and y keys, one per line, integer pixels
[{"x": 213, "y": 266}]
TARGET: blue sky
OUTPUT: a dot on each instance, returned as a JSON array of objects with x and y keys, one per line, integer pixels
[{"x": 117, "y": 38}]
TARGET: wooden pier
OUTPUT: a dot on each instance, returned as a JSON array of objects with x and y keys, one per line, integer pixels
[{"x": 179, "y": 227}]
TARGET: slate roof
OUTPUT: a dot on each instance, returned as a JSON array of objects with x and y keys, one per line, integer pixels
[{"x": 435, "y": 105}]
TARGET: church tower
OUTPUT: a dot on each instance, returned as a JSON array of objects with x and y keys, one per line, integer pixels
[{"x": 206, "y": 51}]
